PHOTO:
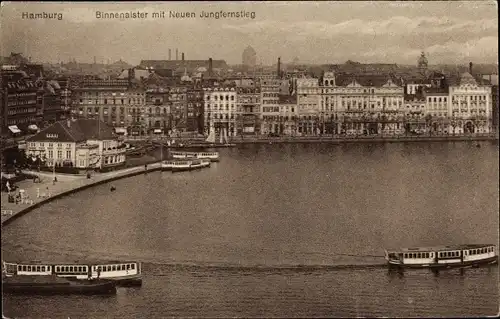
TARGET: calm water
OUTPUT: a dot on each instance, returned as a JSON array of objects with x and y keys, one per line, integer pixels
[{"x": 269, "y": 229}]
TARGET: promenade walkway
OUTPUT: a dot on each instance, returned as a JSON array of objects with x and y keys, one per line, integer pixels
[{"x": 36, "y": 194}]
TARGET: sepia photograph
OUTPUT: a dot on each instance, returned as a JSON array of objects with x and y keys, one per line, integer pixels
[{"x": 249, "y": 159}]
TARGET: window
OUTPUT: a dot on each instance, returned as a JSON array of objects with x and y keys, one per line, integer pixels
[
  {"x": 132, "y": 266},
  {"x": 59, "y": 154},
  {"x": 68, "y": 154}
]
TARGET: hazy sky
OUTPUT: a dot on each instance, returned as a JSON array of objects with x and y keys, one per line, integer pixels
[{"x": 314, "y": 32}]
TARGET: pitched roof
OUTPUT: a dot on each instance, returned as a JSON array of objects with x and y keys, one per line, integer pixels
[
  {"x": 77, "y": 131},
  {"x": 366, "y": 80}
]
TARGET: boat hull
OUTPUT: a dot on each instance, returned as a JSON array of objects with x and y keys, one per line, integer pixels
[
  {"x": 180, "y": 169},
  {"x": 77, "y": 287},
  {"x": 475, "y": 263}
]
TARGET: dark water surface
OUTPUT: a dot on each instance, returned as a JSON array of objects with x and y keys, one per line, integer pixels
[{"x": 268, "y": 230}]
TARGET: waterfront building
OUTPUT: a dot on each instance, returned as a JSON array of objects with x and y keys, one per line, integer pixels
[
  {"x": 368, "y": 104},
  {"x": 194, "y": 109},
  {"x": 177, "y": 97},
  {"x": 470, "y": 106},
  {"x": 270, "y": 109},
  {"x": 80, "y": 143},
  {"x": 288, "y": 115},
  {"x": 220, "y": 109},
  {"x": 437, "y": 113},
  {"x": 308, "y": 106},
  {"x": 22, "y": 105},
  {"x": 158, "y": 111},
  {"x": 248, "y": 110},
  {"x": 114, "y": 102}
]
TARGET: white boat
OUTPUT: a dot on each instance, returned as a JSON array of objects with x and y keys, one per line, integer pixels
[
  {"x": 213, "y": 156},
  {"x": 126, "y": 273},
  {"x": 180, "y": 166},
  {"x": 166, "y": 165},
  {"x": 442, "y": 256},
  {"x": 197, "y": 164},
  {"x": 205, "y": 163}
]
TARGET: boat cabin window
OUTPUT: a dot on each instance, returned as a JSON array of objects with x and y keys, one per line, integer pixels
[{"x": 132, "y": 266}]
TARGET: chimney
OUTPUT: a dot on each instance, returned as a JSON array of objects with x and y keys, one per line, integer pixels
[
  {"x": 170, "y": 54},
  {"x": 210, "y": 66},
  {"x": 279, "y": 67},
  {"x": 470, "y": 68},
  {"x": 177, "y": 54},
  {"x": 182, "y": 56}
]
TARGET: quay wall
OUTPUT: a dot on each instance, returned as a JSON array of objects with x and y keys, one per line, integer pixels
[
  {"x": 71, "y": 190},
  {"x": 334, "y": 139},
  {"x": 329, "y": 140}
]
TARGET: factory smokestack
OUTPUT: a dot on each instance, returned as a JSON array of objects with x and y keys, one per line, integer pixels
[
  {"x": 210, "y": 66},
  {"x": 182, "y": 56},
  {"x": 279, "y": 67},
  {"x": 470, "y": 68},
  {"x": 177, "y": 54},
  {"x": 170, "y": 54}
]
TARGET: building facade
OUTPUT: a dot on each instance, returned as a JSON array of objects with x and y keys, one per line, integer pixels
[
  {"x": 220, "y": 110},
  {"x": 21, "y": 103},
  {"x": 82, "y": 143},
  {"x": 111, "y": 101},
  {"x": 470, "y": 107},
  {"x": 270, "y": 108},
  {"x": 248, "y": 110}
]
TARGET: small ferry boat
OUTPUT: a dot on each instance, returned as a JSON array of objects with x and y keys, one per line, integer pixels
[
  {"x": 54, "y": 285},
  {"x": 197, "y": 164},
  {"x": 213, "y": 156},
  {"x": 180, "y": 166},
  {"x": 123, "y": 273},
  {"x": 443, "y": 256},
  {"x": 167, "y": 165}
]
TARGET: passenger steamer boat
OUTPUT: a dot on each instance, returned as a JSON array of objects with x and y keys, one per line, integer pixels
[
  {"x": 127, "y": 273},
  {"x": 442, "y": 256},
  {"x": 212, "y": 156}
]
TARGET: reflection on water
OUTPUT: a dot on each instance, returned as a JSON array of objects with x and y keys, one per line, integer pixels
[{"x": 266, "y": 231}]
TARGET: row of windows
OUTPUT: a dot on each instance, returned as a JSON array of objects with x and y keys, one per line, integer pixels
[
  {"x": 72, "y": 269},
  {"x": 449, "y": 254},
  {"x": 33, "y": 268},
  {"x": 59, "y": 154},
  {"x": 481, "y": 251},
  {"x": 21, "y": 111},
  {"x": 417, "y": 255},
  {"x": 115, "y": 267},
  {"x": 216, "y": 97}
]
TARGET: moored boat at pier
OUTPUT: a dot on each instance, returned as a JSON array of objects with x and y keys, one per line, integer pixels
[
  {"x": 181, "y": 166},
  {"x": 438, "y": 257},
  {"x": 53, "y": 285},
  {"x": 213, "y": 156},
  {"x": 123, "y": 273}
]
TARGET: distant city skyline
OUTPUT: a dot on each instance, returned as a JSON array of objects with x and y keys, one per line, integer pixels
[{"x": 314, "y": 32}]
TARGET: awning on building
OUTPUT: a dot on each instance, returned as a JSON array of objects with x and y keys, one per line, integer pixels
[
  {"x": 14, "y": 129},
  {"x": 157, "y": 131},
  {"x": 33, "y": 127}
]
